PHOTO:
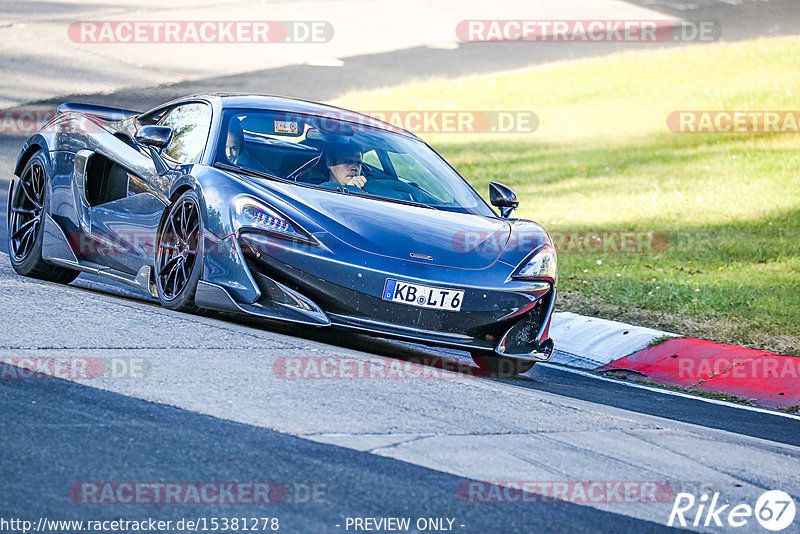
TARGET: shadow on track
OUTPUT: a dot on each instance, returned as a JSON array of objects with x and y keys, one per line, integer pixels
[{"x": 83, "y": 434}]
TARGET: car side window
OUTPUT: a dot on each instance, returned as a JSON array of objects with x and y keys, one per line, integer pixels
[{"x": 190, "y": 124}]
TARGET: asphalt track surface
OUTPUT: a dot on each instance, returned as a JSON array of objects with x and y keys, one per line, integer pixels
[{"x": 212, "y": 407}]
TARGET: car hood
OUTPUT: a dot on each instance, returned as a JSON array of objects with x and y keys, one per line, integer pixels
[{"x": 407, "y": 232}]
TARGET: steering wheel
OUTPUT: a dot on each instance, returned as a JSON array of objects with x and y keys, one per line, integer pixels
[{"x": 391, "y": 189}]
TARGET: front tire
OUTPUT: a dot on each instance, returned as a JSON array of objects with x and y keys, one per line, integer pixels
[
  {"x": 179, "y": 254},
  {"x": 27, "y": 209},
  {"x": 499, "y": 366}
]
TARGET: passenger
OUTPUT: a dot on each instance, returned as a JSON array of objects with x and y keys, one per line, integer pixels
[
  {"x": 235, "y": 151},
  {"x": 234, "y": 141}
]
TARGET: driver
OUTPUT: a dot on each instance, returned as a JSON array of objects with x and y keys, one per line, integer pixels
[{"x": 344, "y": 163}]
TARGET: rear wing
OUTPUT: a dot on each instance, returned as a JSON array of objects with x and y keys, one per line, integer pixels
[{"x": 106, "y": 113}]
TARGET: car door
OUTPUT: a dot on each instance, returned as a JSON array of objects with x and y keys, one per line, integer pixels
[{"x": 129, "y": 196}]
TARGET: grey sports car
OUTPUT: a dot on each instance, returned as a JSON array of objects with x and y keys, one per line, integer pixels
[{"x": 286, "y": 210}]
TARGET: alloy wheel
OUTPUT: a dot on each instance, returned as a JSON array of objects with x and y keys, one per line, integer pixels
[
  {"x": 27, "y": 208},
  {"x": 177, "y": 248}
]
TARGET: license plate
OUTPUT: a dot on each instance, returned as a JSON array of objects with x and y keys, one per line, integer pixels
[{"x": 437, "y": 298}]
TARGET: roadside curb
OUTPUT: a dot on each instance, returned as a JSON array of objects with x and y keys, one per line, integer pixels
[
  {"x": 590, "y": 342},
  {"x": 765, "y": 378}
]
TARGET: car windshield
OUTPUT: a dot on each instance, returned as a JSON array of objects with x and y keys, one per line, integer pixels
[{"x": 344, "y": 157}]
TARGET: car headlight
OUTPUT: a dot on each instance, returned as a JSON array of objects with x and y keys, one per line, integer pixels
[
  {"x": 251, "y": 214},
  {"x": 541, "y": 265}
]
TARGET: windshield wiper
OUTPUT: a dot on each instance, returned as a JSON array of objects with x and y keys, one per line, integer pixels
[{"x": 250, "y": 172}]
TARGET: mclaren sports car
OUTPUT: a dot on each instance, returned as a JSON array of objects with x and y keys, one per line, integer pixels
[{"x": 289, "y": 211}]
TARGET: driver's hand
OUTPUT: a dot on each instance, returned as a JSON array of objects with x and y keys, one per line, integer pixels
[{"x": 357, "y": 181}]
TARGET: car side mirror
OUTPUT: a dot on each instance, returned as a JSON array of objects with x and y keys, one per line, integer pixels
[
  {"x": 503, "y": 197},
  {"x": 155, "y": 137}
]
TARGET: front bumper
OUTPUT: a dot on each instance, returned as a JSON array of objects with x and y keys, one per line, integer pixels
[{"x": 511, "y": 321}]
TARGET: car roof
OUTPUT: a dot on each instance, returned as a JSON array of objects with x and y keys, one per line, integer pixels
[{"x": 296, "y": 105}]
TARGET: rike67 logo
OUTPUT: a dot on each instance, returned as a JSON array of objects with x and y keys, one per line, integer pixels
[{"x": 774, "y": 510}]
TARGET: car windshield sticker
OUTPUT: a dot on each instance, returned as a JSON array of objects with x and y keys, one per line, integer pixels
[{"x": 286, "y": 127}]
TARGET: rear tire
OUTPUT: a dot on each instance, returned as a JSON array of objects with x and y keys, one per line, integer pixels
[
  {"x": 179, "y": 254},
  {"x": 27, "y": 209},
  {"x": 499, "y": 366}
]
